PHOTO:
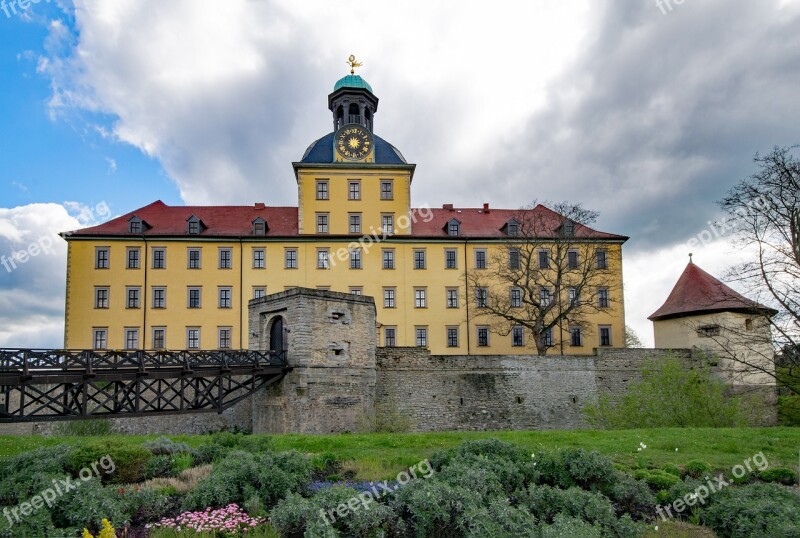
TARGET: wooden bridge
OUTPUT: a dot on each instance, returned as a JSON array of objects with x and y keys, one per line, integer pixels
[{"x": 58, "y": 384}]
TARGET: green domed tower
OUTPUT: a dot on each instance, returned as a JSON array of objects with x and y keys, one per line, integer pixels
[{"x": 352, "y": 101}]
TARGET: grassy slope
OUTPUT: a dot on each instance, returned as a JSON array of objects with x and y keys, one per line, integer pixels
[{"x": 379, "y": 456}]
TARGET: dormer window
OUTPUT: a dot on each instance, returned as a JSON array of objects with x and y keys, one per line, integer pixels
[
  {"x": 512, "y": 228},
  {"x": 259, "y": 226},
  {"x": 568, "y": 229},
  {"x": 453, "y": 227},
  {"x": 194, "y": 225},
  {"x": 136, "y": 225}
]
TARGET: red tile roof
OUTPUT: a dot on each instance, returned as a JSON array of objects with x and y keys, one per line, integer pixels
[
  {"x": 235, "y": 221},
  {"x": 697, "y": 292}
]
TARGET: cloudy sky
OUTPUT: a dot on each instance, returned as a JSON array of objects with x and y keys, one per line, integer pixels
[{"x": 647, "y": 112}]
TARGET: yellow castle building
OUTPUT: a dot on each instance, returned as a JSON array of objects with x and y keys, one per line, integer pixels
[{"x": 180, "y": 277}]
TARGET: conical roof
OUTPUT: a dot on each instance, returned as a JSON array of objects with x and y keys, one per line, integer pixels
[{"x": 697, "y": 292}]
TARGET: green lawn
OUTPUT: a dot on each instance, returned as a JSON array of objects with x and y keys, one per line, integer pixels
[{"x": 379, "y": 456}]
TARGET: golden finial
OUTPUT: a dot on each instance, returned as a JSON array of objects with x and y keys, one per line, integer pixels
[{"x": 353, "y": 63}]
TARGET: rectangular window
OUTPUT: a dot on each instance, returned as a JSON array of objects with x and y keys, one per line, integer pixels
[
  {"x": 133, "y": 257},
  {"x": 483, "y": 336},
  {"x": 354, "y": 190},
  {"x": 453, "y": 228},
  {"x": 194, "y": 227},
  {"x": 602, "y": 298},
  {"x": 575, "y": 337},
  {"x": 322, "y": 223},
  {"x": 224, "y": 337},
  {"x": 387, "y": 224},
  {"x": 452, "y": 297},
  {"x": 133, "y": 296},
  {"x": 419, "y": 259},
  {"x": 389, "y": 297},
  {"x": 259, "y": 227},
  {"x": 450, "y": 259},
  {"x": 421, "y": 334},
  {"x": 518, "y": 336},
  {"x": 259, "y": 258},
  {"x": 513, "y": 259},
  {"x": 516, "y": 298},
  {"x": 194, "y": 258},
  {"x": 420, "y": 298},
  {"x": 355, "y": 223},
  {"x": 101, "y": 258},
  {"x": 290, "y": 258},
  {"x": 544, "y": 297},
  {"x": 131, "y": 338},
  {"x": 224, "y": 297},
  {"x": 387, "y": 190},
  {"x": 390, "y": 336},
  {"x": 544, "y": 259},
  {"x": 159, "y": 298},
  {"x": 259, "y": 292},
  {"x": 388, "y": 258},
  {"x": 480, "y": 259},
  {"x": 322, "y": 190},
  {"x": 194, "y": 298},
  {"x": 159, "y": 258},
  {"x": 355, "y": 258},
  {"x": 323, "y": 258},
  {"x": 574, "y": 296},
  {"x": 548, "y": 338},
  {"x": 135, "y": 226},
  {"x": 225, "y": 258},
  {"x": 100, "y": 338},
  {"x": 602, "y": 259},
  {"x": 193, "y": 338},
  {"x": 159, "y": 338},
  {"x": 572, "y": 259},
  {"x": 101, "y": 297},
  {"x": 481, "y": 297},
  {"x": 452, "y": 336},
  {"x": 605, "y": 336},
  {"x": 357, "y": 290}
]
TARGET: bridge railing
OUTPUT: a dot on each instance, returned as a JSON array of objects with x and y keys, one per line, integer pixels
[{"x": 30, "y": 361}]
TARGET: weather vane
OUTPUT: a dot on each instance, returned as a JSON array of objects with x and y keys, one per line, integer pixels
[{"x": 353, "y": 63}]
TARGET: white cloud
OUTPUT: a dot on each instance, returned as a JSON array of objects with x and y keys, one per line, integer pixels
[{"x": 32, "y": 284}]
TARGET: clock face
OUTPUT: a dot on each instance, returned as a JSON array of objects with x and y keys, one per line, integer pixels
[{"x": 353, "y": 142}]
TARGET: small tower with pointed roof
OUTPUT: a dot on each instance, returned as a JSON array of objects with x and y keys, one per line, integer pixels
[{"x": 703, "y": 313}]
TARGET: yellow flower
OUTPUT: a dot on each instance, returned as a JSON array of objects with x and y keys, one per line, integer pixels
[{"x": 106, "y": 532}]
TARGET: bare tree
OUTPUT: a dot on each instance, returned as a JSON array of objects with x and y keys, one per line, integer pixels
[
  {"x": 632, "y": 339},
  {"x": 764, "y": 212},
  {"x": 547, "y": 277}
]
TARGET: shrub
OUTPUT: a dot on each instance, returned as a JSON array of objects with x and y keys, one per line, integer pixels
[
  {"x": 209, "y": 453},
  {"x": 546, "y": 502},
  {"x": 26, "y": 474},
  {"x": 83, "y": 428},
  {"x": 296, "y": 516},
  {"x": 241, "y": 475},
  {"x": 673, "y": 469},
  {"x": 697, "y": 469},
  {"x": 632, "y": 496},
  {"x": 158, "y": 467},
  {"x": 657, "y": 479},
  {"x": 325, "y": 465},
  {"x": 489, "y": 449},
  {"x": 435, "y": 508},
  {"x": 129, "y": 461},
  {"x": 164, "y": 446},
  {"x": 780, "y": 475},
  {"x": 755, "y": 510},
  {"x": 576, "y": 467},
  {"x": 480, "y": 480},
  {"x": 498, "y": 519},
  {"x": 693, "y": 396},
  {"x": 181, "y": 462},
  {"x": 88, "y": 505},
  {"x": 143, "y": 505},
  {"x": 567, "y": 527}
]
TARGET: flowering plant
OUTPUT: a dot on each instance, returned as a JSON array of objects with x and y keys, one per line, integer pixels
[{"x": 228, "y": 521}]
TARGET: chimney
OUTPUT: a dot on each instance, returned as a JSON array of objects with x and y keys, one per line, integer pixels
[
  {"x": 447, "y": 206},
  {"x": 486, "y": 208},
  {"x": 260, "y": 205}
]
